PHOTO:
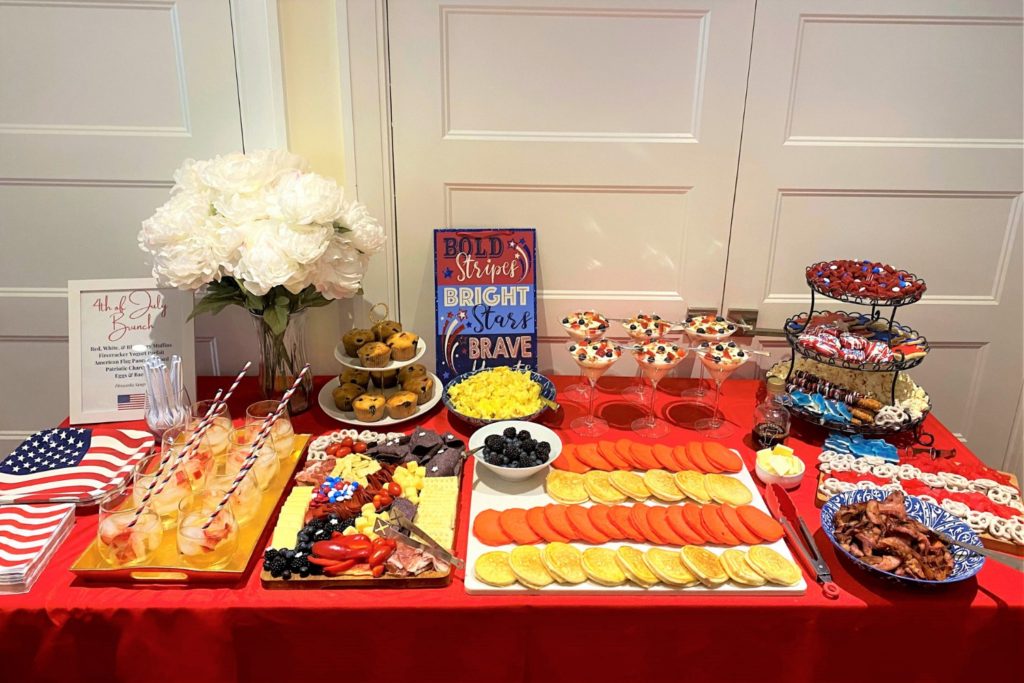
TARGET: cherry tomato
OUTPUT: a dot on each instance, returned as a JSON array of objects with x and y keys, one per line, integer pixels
[
  {"x": 394, "y": 488},
  {"x": 347, "y": 441},
  {"x": 343, "y": 451},
  {"x": 333, "y": 448},
  {"x": 378, "y": 571},
  {"x": 377, "y": 501},
  {"x": 386, "y": 500},
  {"x": 359, "y": 447}
]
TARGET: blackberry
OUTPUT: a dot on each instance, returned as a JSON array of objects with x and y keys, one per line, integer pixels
[
  {"x": 523, "y": 435},
  {"x": 530, "y": 445},
  {"x": 510, "y": 432},
  {"x": 494, "y": 441},
  {"x": 269, "y": 554},
  {"x": 277, "y": 566},
  {"x": 544, "y": 448}
]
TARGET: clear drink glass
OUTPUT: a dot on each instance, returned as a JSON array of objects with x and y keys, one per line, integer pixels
[
  {"x": 642, "y": 328},
  {"x": 583, "y": 326},
  {"x": 594, "y": 359},
  {"x": 245, "y": 501},
  {"x": 216, "y": 438},
  {"x": 165, "y": 484},
  {"x": 127, "y": 539},
  {"x": 207, "y": 533},
  {"x": 721, "y": 360},
  {"x": 198, "y": 463},
  {"x": 710, "y": 328},
  {"x": 240, "y": 442},
  {"x": 656, "y": 359},
  {"x": 282, "y": 431}
]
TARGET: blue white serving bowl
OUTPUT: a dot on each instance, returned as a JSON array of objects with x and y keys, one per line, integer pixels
[
  {"x": 965, "y": 563},
  {"x": 547, "y": 391}
]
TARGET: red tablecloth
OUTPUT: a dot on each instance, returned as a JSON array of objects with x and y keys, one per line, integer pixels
[{"x": 67, "y": 630}]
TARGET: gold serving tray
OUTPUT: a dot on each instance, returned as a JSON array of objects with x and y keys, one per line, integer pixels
[{"x": 166, "y": 565}]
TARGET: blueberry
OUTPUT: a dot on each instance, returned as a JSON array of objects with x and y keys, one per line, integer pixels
[
  {"x": 700, "y": 330},
  {"x": 719, "y": 347},
  {"x": 565, "y": 321},
  {"x": 719, "y": 319}
]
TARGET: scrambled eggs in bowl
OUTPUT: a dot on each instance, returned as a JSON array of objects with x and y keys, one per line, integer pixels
[{"x": 499, "y": 393}]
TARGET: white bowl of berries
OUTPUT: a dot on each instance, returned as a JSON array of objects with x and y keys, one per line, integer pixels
[{"x": 515, "y": 449}]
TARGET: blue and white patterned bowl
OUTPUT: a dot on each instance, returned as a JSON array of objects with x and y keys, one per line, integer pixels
[
  {"x": 547, "y": 390},
  {"x": 965, "y": 563}
]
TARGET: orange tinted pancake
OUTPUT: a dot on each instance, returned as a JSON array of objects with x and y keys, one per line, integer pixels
[
  {"x": 623, "y": 446},
  {"x": 663, "y": 454},
  {"x": 760, "y": 523},
  {"x": 538, "y": 521},
  {"x": 679, "y": 453},
  {"x": 585, "y": 529},
  {"x": 713, "y": 522},
  {"x": 643, "y": 455},
  {"x": 588, "y": 455},
  {"x": 722, "y": 458},
  {"x": 638, "y": 515},
  {"x": 677, "y": 521},
  {"x": 558, "y": 518},
  {"x": 737, "y": 527},
  {"x": 691, "y": 513},
  {"x": 487, "y": 529},
  {"x": 657, "y": 517},
  {"x": 600, "y": 518},
  {"x": 513, "y": 522},
  {"x": 573, "y": 463},
  {"x": 611, "y": 454},
  {"x": 695, "y": 452},
  {"x": 619, "y": 516}
]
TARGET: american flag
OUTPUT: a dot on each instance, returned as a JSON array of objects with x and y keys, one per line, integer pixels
[
  {"x": 72, "y": 463},
  {"x": 27, "y": 531},
  {"x": 131, "y": 401}
]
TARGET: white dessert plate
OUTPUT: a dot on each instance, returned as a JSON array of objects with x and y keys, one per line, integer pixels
[
  {"x": 349, "y": 417},
  {"x": 354, "y": 362}
]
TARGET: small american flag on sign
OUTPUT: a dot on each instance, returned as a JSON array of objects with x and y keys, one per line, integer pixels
[
  {"x": 72, "y": 463},
  {"x": 131, "y": 401}
]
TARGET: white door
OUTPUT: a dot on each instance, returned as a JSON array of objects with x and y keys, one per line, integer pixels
[
  {"x": 100, "y": 102},
  {"x": 891, "y": 131},
  {"x": 610, "y": 126}
]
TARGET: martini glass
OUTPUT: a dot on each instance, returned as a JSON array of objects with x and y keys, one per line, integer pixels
[
  {"x": 656, "y": 359},
  {"x": 582, "y": 327},
  {"x": 594, "y": 359},
  {"x": 709, "y": 328},
  {"x": 642, "y": 328},
  {"x": 721, "y": 360}
]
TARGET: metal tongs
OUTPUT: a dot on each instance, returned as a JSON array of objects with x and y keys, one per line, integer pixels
[
  {"x": 406, "y": 529},
  {"x": 783, "y": 508}
]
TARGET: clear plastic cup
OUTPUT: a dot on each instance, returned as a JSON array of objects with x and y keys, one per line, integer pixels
[
  {"x": 282, "y": 431},
  {"x": 163, "y": 483},
  {"x": 207, "y": 533},
  {"x": 240, "y": 442}
]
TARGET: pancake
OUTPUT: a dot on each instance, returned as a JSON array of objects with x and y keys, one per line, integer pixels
[
  {"x": 662, "y": 485},
  {"x": 692, "y": 484},
  {"x": 528, "y": 567},
  {"x": 631, "y": 562},
  {"x": 728, "y": 490},
  {"x": 669, "y": 568},
  {"x": 704, "y": 564},
  {"x": 630, "y": 483},
  {"x": 602, "y": 568},
  {"x": 493, "y": 569},
  {"x": 564, "y": 562},
  {"x": 566, "y": 487},
  {"x": 735, "y": 564},
  {"x": 598, "y": 485},
  {"x": 773, "y": 566}
]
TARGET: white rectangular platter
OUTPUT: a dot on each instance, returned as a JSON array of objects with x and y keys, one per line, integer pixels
[{"x": 491, "y": 492}]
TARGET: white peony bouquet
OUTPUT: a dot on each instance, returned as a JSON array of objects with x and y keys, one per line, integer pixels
[{"x": 259, "y": 230}]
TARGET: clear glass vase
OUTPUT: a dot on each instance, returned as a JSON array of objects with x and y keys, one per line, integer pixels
[{"x": 281, "y": 359}]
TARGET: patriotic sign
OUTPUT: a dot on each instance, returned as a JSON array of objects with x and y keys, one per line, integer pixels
[
  {"x": 113, "y": 326},
  {"x": 72, "y": 464},
  {"x": 486, "y": 299}
]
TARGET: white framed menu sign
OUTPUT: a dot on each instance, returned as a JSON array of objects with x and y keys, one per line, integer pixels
[{"x": 113, "y": 326}]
